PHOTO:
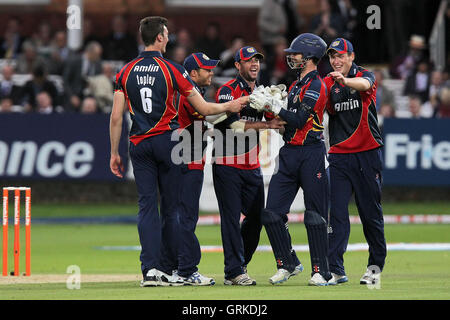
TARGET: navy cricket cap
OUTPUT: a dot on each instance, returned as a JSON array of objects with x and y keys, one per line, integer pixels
[
  {"x": 199, "y": 60},
  {"x": 340, "y": 45},
  {"x": 246, "y": 53}
]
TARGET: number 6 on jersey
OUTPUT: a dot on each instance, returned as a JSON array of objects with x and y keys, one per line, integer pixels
[{"x": 146, "y": 95}]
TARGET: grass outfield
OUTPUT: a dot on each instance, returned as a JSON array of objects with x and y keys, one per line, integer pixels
[
  {"x": 407, "y": 275},
  {"x": 88, "y": 210}
]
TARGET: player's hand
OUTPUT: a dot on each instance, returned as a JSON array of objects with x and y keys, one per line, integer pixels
[
  {"x": 116, "y": 165},
  {"x": 258, "y": 101},
  {"x": 338, "y": 77},
  {"x": 237, "y": 104},
  {"x": 267, "y": 103},
  {"x": 258, "y": 98},
  {"x": 274, "y": 105},
  {"x": 276, "y": 123},
  {"x": 270, "y": 99},
  {"x": 276, "y": 98},
  {"x": 278, "y": 91}
]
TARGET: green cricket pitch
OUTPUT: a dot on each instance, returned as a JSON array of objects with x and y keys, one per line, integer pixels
[{"x": 106, "y": 275}]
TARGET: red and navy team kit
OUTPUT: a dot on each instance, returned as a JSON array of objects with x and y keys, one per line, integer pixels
[
  {"x": 355, "y": 164},
  {"x": 238, "y": 182},
  {"x": 193, "y": 129},
  {"x": 301, "y": 163},
  {"x": 149, "y": 84}
]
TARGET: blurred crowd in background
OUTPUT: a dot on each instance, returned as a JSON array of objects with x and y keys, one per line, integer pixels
[{"x": 40, "y": 74}]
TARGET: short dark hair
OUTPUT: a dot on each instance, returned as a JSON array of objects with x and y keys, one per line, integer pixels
[
  {"x": 150, "y": 27},
  {"x": 315, "y": 60}
]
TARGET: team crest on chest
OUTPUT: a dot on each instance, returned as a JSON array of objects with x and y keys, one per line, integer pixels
[
  {"x": 295, "y": 98},
  {"x": 337, "y": 90}
]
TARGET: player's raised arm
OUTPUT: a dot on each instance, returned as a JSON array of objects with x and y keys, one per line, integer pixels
[
  {"x": 210, "y": 108},
  {"x": 359, "y": 84},
  {"x": 341, "y": 57}
]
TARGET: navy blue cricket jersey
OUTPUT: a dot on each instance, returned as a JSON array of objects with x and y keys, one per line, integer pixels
[
  {"x": 353, "y": 116},
  {"x": 193, "y": 122},
  {"x": 246, "y": 157},
  {"x": 303, "y": 128},
  {"x": 149, "y": 84}
]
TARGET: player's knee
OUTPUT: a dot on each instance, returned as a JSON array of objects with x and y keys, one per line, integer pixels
[
  {"x": 312, "y": 218},
  {"x": 268, "y": 216}
]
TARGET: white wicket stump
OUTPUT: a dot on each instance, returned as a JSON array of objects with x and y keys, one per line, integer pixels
[{"x": 17, "y": 191}]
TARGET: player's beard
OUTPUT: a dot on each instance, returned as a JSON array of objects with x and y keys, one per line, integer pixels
[
  {"x": 248, "y": 77},
  {"x": 205, "y": 82},
  {"x": 204, "y": 79}
]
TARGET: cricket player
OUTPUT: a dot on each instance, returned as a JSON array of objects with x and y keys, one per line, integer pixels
[
  {"x": 145, "y": 87},
  {"x": 200, "y": 68},
  {"x": 355, "y": 160},
  {"x": 237, "y": 177},
  {"x": 301, "y": 164}
]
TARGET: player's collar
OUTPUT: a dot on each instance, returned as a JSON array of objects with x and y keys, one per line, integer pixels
[
  {"x": 353, "y": 71},
  {"x": 202, "y": 90},
  {"x": 243, "y": 84},
  {"x": 309, "y": 76},
  {"x": 150, "y": 54}
]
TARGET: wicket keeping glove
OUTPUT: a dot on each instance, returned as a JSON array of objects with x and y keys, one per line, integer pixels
[
  {"x": 278, "y": 91},
  {"x": 258, "y": 101},
  {"x": 269, "y": 98},
  {"x": 276, "y": 98},
  {"x": 275, "y": 104}
]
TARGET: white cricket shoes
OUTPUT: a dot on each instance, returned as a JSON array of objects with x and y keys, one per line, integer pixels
[
  {"x": 370, "y": 277},
  {"x": 197, "y": 279},
  {"x": 155, "y": 277},
  {"x": 173, "y": 280},
  {"x": 318, "y": 280},
  {"x": 283, "y": 275},
  {"x": 340, "y": 278},
  {"x": 240, "y": 280},
  {"x": 151, "y": 278}
]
